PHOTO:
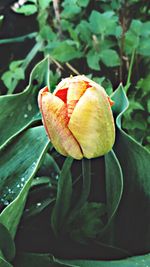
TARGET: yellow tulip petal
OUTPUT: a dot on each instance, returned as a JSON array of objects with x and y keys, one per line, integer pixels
[
  {"x": 75, "y": 91},
  {"x": 65, "y": 83},
  {"x": 92, "y": 124},
  {"x": 55, "y": 119}
]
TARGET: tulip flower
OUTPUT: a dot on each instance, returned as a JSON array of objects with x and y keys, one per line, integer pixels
[{"x": 78, "y": 118}]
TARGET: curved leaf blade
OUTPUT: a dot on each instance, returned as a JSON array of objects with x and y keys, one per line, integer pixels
[
  {"x": 21, "y": 110},
  {"x": 7, "y": 245},
  {"x": 20, "y": 160}
]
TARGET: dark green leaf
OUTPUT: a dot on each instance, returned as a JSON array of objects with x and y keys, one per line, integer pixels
[
  {"x": 47, "y": 260},
  {"x": 38, "y": 260},
  {"x": 114, "y": 183},
  {"x": 133, "y": 214},
  {"x": 17, "y": 116},
  {"x": 4, "y": 263},
  {"x": 88, "y": 222},
  {"x": 83, "y": 30},
  {"x": 7, "y": 245},
  {"x": 19, "y": 161},
  {"x": 63, "y": 199}
]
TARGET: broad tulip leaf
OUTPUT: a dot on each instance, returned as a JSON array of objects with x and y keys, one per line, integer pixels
[
  {"x": 7, "y": 245},
  {"x": 46, "y": 260},
  {"x": 140, "y": 261},
  {"x": 38, "y": 260},
  {"x": 133, "y": 217},
  {"x": 21, "y": 110},
  {"x": 114, "y": 183},
  {"x": 4, "y": 263},
  {"x": 63, "y": 199},
  {"x": 20, "y": 160}
]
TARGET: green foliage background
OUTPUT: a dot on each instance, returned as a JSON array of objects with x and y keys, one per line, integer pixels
[{"x": 109, "y": 41}]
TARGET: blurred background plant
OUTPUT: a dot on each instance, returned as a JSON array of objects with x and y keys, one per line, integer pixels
[{"x": 109, "y": 41}]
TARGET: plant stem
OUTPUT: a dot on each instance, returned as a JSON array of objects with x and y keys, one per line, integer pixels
[
  {"x": 19, "y": 39},
  {"x": 130, "y": 71},
  {"x": 86, "y": 173}
]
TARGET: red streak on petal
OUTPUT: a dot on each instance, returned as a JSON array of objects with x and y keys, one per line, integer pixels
[
  {"x": 87, "y": 84},
  {"x": 62, "y": 94},
  {"x": 71, "y": 107},
  {"x": 111, "y": 102}
]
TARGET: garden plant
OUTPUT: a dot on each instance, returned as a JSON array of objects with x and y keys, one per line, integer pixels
[{"x": 74, "y": 133}]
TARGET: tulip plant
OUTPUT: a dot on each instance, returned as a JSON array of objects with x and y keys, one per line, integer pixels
[{"x": 74, "y": 187}]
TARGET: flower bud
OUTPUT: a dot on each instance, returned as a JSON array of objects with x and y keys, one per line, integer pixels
[{"x": 78, "y": 118}]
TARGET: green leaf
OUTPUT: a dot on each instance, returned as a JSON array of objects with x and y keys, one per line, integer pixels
[
  {"x": 47, "y": 34},
  {"x": 110, "y": 58},
  {"x": 7, "y": 245},
  {"x": 83, "y": 3},
  {"x": 86, "y": 186},
  {"x": 103, "y": 23},
  {"x": 71, "y": 9},
  {"x": 26, "y": 10},
  {"x": 93, "y": 59},
  {"x": 65, "y": 52},
  {"x": 49, "y": 167},
  {"x": 143, "y": 84},
  {"x": 63, "y": 199},
  {"x": 18, "y": 116},
  {"x": 121, "y": 104},
  {"x": 38, "y": 260},
  {"x": 15, "y": 64},
  {"x": 83, "y": 30},
  {"x": 134, "y": 161},
  {"x": 114, "y": 183},
  {"x": 144, "y": 47},
  {"x": 4, "y": 263},
  {"x": 44, "y": 3},
  {"x": 46, "y": 260},
  {"x": 136, "y": 27},
  {"x": 132, "y": 42},
  {"x": 19, "y": 161},
  {"x": 136, "y": 179},
  {"x": 88, "y": 222},
  {"x": 146, "y": 29},
  {"x": 7, "y": 79},
  {"x": 19, "y": 74}
]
